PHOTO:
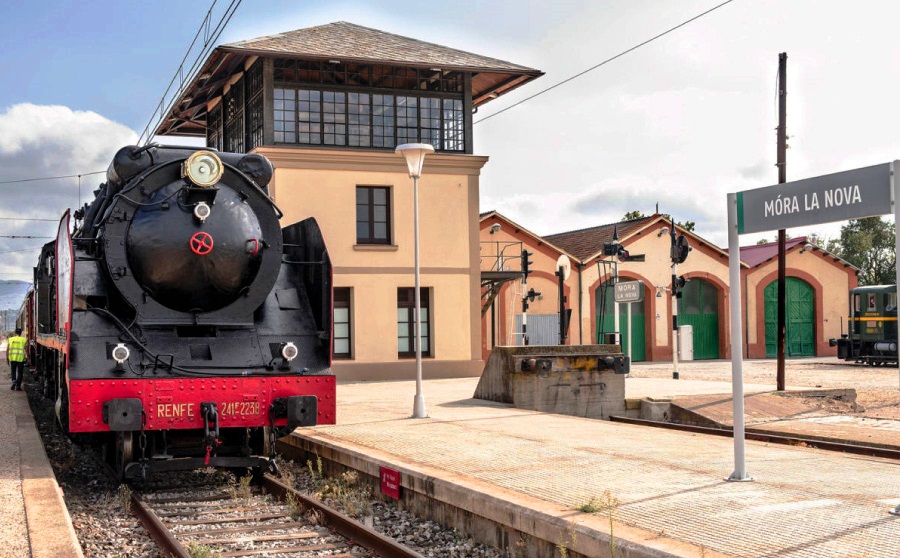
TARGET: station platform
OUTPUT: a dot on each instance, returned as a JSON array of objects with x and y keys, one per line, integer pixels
[
  {"x": 526, "y": 474},
  {"x": 34, "y": 521}
]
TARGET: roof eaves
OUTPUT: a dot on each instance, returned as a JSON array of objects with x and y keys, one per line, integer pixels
[{"x": 537, "y": 237}]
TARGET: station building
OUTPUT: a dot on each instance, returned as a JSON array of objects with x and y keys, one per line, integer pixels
[
  {"x": 817, "y": 290},
  {"x": 328, "y": 105}
]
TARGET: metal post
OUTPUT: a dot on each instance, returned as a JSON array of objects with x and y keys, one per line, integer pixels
[
  {"x": 419, "y": 401},
  {"x": 737, "y": 362},
  {"x": 524, "y": 303},
  {"x": 525, "y": 320},
  {"x": 894, "y": 200},
  {"x": 674, "y": 319},
  {"x": 561, "y": 274},
  {"x": 616, "y": 308},
  {"x": 782, "y": 256},
  {"x": 629, "y": 332}
]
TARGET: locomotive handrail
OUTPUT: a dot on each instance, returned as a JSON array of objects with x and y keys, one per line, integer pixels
[{"x": 302, "y": 263}]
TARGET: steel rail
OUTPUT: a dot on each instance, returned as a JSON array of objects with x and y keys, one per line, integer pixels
[
  {"x": 167, "y": 542},
  {"x": 353, "y": 530},
  {"x": 758, "y": 435}
]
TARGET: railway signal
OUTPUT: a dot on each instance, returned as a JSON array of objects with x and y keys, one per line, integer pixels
[
  {"x": 678, "y": 252},
  {"x": 526, "y": 263},
  {"x": 678, "y": 285}
]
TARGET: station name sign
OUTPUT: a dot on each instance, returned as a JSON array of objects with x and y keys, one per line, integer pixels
[
  {"x": 841, "y": 196},
  {"x": 629, "y": 291}
]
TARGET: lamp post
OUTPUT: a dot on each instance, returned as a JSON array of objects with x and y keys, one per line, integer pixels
[{"x": 415, "y": 158}]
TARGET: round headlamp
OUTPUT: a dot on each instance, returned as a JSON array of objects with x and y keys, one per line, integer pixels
[
  {"x": 120, "y": 353},
  {"x": 289, "y": 351},
  {"x": 203, "y": 168},
  {"x": 202, "y": 211}
]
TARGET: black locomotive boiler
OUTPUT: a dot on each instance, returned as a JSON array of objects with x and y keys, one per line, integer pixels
[{"x": 176, "y": 318}]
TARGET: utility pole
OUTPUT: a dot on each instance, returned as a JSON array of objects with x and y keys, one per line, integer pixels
[{"x": 782, "y": 178}]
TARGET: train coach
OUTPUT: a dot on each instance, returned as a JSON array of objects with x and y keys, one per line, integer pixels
[
  {"x": 871, "y": 336},
  {"x": 177, "y": 322}
]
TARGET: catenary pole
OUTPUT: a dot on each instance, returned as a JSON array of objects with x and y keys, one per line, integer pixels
[{"x": 782, "y": 178}]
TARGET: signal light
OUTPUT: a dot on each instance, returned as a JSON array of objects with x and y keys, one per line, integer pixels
[
  {"x": 678, "y": 286},
  {"x": 529, "y": 297},
  {"x": 610, "y": 248},
  {"x": 622, "y": 254},
  {"x": 526, "y": 263},
  {"x": 680, "y": 249}
]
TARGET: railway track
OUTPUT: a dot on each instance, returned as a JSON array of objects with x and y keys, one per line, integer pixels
[
  {"x": 263, "y": 524},
  {"x": 763, "y": 436}
]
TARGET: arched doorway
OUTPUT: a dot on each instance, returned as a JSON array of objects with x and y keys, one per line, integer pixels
[
  {"x": 800, "y": 300},
  {"x": 605, "y": 316},
  {"x": 699, "y": 308}
]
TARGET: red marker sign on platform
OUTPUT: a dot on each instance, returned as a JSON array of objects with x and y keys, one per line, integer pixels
[{"x": 390, "y": 483}]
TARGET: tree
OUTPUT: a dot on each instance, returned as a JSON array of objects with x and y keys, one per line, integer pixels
[
  {"x": 869, "y": 245},
  {"x": 632, "y": 215}
]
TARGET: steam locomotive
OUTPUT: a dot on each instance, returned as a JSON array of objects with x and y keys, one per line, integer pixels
[
  {"x": 175, "y": 318},
  {"x": 872, "y": 327}
]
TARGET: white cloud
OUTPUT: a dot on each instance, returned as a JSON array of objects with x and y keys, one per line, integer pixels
[{"x": 42, "y": 141}]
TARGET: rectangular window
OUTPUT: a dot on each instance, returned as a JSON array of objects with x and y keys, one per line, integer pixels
[
  {"x": 407, "y": 120},
  {"x": 430, "y": 121},
  {"x": 309, "y": 116},
  {"x": 373, "y": 211},
  {"x": 334, "y": 112},
  {"x": 383, "y": 120},
  {"x": 342, "y": 338},
  {"x": 360, "y": 119},
  {"x": 454, "y": 136},
  {"x": 285, "y": 115},
  {"x": 406, "y": 332}
]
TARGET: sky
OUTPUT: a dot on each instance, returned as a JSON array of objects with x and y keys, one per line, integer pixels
[{"x": 679, "y": 122}]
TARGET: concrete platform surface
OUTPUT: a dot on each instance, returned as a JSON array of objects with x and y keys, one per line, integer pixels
[
  {"x": 34, "y": 521},
  {"x": 673, "y": 499}
]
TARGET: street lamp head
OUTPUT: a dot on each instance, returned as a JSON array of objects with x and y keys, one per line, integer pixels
[{"x": 415, "y": 156}]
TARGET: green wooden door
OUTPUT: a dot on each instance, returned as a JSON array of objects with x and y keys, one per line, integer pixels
[
  {"x": 800, "y": 316},
  {"x": 638, "y": 324},
  {"x": 699, "y": 307}
]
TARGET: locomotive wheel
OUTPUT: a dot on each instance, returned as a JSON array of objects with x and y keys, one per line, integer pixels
[{"x": 124, "y": 452}]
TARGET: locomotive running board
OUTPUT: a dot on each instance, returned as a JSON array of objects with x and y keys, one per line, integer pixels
[{"x": 142, "y": 468}]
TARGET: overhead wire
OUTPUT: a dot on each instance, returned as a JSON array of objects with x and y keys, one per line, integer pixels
[
  {"x": 608, "y": 60},
  {"x": 20, "y": 180},
  {"x": 208, "y": 45}
]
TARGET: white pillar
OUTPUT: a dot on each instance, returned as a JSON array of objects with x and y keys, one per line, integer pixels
[{"x": 737, "y": 334}]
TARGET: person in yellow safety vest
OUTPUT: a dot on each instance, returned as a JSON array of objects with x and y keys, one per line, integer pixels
[{"x": 15, "y": 356}]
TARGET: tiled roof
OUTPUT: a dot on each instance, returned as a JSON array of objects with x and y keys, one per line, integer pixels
[
  {"x": 347, "y": 43},
  {"x": 342, "y": 40},
  {"x": 757, "y": 254},
  {"x": 584, "y": 243}
]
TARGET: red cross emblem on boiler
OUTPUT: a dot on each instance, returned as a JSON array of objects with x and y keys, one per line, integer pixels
[{"x": 201, "y": 243}]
